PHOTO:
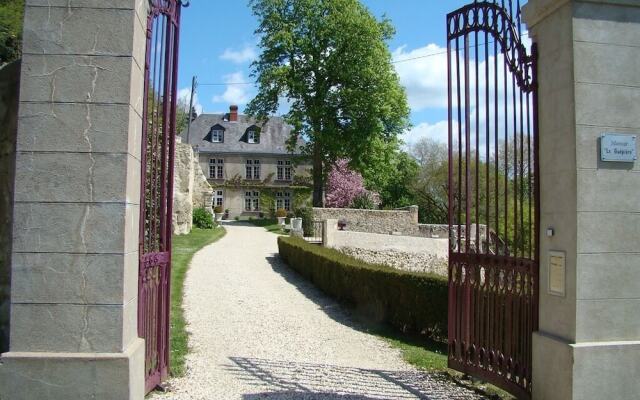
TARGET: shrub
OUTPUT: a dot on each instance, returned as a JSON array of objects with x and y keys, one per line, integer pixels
[
  {"x": 237, "y": 218},
  {"x": 202, "y": 219},
  {"x": 307, "y": 219},
  {"x": 411, "y": 302},
  {"x": 281, "y": 212},
  {"x": 217, "y": 209},
  {"x": 363, "y": 201}
]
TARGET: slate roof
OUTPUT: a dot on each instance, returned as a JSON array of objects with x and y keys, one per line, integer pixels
[{"x": 273, "y": 135}]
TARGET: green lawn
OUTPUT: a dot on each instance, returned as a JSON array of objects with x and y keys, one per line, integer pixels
[
  {"x": 270, "y": 225},
  {"x": 184, "y": 247}
]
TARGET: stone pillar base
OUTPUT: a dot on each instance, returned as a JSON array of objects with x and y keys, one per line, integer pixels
[
  {"x": 584, "y": 371},
  {"x": 64, "y": 376}
]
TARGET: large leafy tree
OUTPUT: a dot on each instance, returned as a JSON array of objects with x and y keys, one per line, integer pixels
[
  {"x": 11, "y": 15},
  {"x": 328, "y": 59}
]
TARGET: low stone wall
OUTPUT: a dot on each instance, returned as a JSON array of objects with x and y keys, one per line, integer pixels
[
  {"x": 404, "y": 221},
  {"x": 190, "y": 189},
  {"x": 433, "y": 230},
  {"x": 9, "y": 83},
  {"x": 405, "y": 244}
]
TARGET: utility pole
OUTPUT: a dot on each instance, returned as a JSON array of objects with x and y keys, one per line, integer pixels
[{"x": 194, "y": 84}]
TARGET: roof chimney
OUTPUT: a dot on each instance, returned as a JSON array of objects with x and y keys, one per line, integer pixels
[{"x": 233, "y": 113}]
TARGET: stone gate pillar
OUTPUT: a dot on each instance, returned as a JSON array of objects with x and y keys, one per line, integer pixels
[
  {"x": 588, "y": 345},
  {"x": 73, "y": 328}
]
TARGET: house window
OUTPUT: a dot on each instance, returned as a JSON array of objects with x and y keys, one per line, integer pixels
[
  {"x": 283, "y": 200},
  {"x": 220, "y": 169},
  {"x": 218, "y": 198},
  {"x": 212, "y": 168},
  {"x": 284, "y": 171},
  {"x": 216, "y": 168},
  {"x": 287, "y": 201},
  {"x": 252, "y": 169},
  {"x": 287, "y": 171},
  {"x": 217, "y": 136},
  {"x": 256, "y": 201},
  {"x": 252, "y": 201},
  {"x": 251, "y": 137}
]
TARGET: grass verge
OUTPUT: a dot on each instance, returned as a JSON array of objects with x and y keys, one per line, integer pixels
[
  {"x": 184, "y": 247},
  {"x": 271, "y": 225}
]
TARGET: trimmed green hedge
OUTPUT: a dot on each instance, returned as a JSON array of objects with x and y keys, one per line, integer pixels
[{"x": 411, "y": 302}]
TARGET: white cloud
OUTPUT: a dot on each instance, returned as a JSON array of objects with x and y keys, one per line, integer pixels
[
  {"x": 247, "y": 54},
  {"x": 438, "y": 132},
  {"x": 423, "y": 72},
  {"x": 184, "y": 96},
  {"x": 425, "y": 79},
  {"x": 234, "y": 94}
]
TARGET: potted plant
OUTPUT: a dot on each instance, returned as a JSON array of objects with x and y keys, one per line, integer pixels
[
  {"x": 217, "y": 210},
  {"x": 281, "y": 214},
  {"x": 226, "y": 214}
]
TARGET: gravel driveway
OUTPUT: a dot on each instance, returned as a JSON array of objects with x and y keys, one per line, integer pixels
[{"x": 258, "y": 331}]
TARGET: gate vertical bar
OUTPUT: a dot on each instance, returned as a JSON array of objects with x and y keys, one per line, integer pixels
[
  {"x": 158, "y": 148},
  {"x": 493, "y": 267}
]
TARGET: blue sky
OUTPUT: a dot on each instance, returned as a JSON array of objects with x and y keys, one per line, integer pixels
[{"x": 217, "y": 45}]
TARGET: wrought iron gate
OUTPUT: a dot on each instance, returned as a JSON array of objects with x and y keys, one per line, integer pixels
[
  {"x": 156, "y": 197},
  {"x": 493, "y": 195}
]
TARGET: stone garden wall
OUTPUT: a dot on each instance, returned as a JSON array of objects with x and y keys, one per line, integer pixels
[
  {"x": 404, "y": 221},
  {"x": 9, "y": 80},
  {"x": 191, "y": 189},
  {"x": 433, "y": 230}
]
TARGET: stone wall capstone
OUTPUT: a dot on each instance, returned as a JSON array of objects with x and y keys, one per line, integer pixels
[
  {"x": 9, "y": 84},
  {"x": 434, "y": 230},
  {"x": 404, "y": 221},
  {"x": 190, "y": 189}
]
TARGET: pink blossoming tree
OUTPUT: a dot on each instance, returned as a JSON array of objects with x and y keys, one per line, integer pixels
[{"x": 345, "y": 185}]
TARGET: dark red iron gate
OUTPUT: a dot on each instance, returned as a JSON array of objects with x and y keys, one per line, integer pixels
[
  {"x": 156, "y": 197},
  {"x": 493, "y": 195}
]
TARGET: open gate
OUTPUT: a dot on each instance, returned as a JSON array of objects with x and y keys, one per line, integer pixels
[
  {"x": 156, "y": 197},
  {"x": 493, "y": 195}
]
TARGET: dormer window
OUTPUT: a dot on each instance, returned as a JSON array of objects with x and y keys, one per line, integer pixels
[
  {"x": 217, "y": 136},
  {"x": 251, "y": 137}
]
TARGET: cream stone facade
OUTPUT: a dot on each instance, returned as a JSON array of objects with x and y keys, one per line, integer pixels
[
  {"x": 588, "y": 343},
  {"x": 234, "y": 197},
  {"x": 241, "y": 169}
]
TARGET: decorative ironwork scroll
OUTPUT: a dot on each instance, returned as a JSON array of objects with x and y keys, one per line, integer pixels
[
  {"x": 156, "y": 197},
  {"x": 493, "y": 195}
]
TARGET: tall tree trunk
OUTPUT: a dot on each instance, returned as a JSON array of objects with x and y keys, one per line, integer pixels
[{"x": 318, "y": 177}]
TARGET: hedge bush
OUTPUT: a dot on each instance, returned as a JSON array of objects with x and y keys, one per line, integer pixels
[
  {"x": 411, "y": 302},
  {"x": 306, "y": 214},
  {"x": 203, "y": 219}
]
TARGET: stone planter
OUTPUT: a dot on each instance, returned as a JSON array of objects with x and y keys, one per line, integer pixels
[
  {"x": 219, "y": 216},
  {"x": 281, "y": 220},
  {"x": 296, "y": 224}
]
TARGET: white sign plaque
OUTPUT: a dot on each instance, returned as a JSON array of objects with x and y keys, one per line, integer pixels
[
  {"x": 557, "y": 273},
  {"x": 618, "y": 148}
]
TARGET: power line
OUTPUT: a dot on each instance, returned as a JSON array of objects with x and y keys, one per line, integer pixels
[
  {"x": 392, "y": 62},
  {"x": 225, "y": 84}
]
